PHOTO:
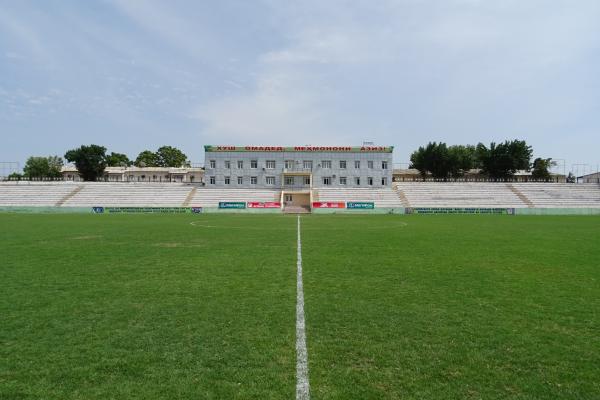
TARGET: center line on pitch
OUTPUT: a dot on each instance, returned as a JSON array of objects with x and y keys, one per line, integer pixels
[{"x": 302, "y": 385}]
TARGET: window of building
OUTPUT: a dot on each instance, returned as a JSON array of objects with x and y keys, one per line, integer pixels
[
  {"x": 326, "y": 180},
  {"x": 240, "y": 164},
  {"x": 287, "y": 198},
  {"x": 227, "y": 180},
  {"x": 384, "y": 165},
  {"x": 212, "y": 180},
  {"x": 270, "y": 164},
  {"x": 326, "y": 164},
  {"x": 270, "y": 180},
  {"x": 342, "y": 164},
  {"x": 253, "y": 164},
  {"x": 357, "y": 181},
  {"x": 384, "y": 181},
  {"x": 342, "y": 180},
  {"x": 213, "y": 164},
  {"x": 370, "y": 164},
  {"x": 240, "y": 180},
  {"x": 370, "y": 181},
  {"x": 253, "y": 180},
  {"x": 307, "y": 164},
  {"x": 357, "y": 164},
  {"x": 227, "y": 164},
  {"x": 289, "y": 164},
  {"x": 307, "y": 180},
  {"x": 289, "y": 180}
]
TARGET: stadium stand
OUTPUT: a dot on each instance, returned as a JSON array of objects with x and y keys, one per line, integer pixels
[
  {"x": 36, "y": 194},
  {"x": 403, "y": 194},
  {"x": 211, "y": 197},
  {"x": 383, "y": 198},
  {"x": 459, "y": 194},
  {"x": 487, "y": 194},
  {"x": 561, "y": 195},
  {"x": 129, "y": 195}
]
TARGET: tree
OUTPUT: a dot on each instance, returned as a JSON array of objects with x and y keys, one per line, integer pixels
[
  {"x": 43, "y": 167},
  {"x": 117, "y": 160},
  {"x": 433, "y": 159},
  {"x": 146, "y": 159},
  {"x": 15, "y": 176},
  {"x": 541, "y": 168},
  {"x": 171, "y": 157},
  {"x": 55, "y": 163},
  {"x": 417, "y": 161},
  {"x": 571, "y": 178},
  {"x": 501, "y": 161},
  {"x": 90, "y": 161},
  {"x": 461, "y": 159}
]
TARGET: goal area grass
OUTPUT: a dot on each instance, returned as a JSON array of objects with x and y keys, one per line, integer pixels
[{"x": 204, "y": 306}]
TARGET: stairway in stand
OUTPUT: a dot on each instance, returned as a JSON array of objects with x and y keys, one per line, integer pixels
[{"x": 296, "y": 210}]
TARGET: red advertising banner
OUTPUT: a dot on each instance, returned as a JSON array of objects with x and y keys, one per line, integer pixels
[
  {"x": 328, "y": 204},
  {"x": 264, "y": 204}
]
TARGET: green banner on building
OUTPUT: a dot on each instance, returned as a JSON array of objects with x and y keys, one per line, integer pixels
[
  {"x": 365, "y": 205},
  {"x": 291, "y": 149},
  {"x": 232, "y": 204}
]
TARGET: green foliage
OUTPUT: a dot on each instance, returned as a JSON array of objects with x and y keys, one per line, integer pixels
[
  {"x": 541, "y": 168},
  {"x": 15, "y": 176},
  {"x": 146, "y": 159},
  {"x": 90, "y": 161},
  {"x": 171, "y": 157},
  {"x": 165, "y": 156},
  {"x": 117, "y": 160},
  {"x": 442, "y": 161},
  {"x": 501, "y": 161},
  {"x": 462, "y": 159},
  {"x": 43, "y": 167}
]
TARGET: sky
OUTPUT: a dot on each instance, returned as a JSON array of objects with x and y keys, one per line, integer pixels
[{"x": 134, "y": 75}]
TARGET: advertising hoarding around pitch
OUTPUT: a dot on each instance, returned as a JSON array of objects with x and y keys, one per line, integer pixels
[
  {"x": 232, "y": 204},
  {"x": 364, "y": 205},
  {"x": 328, "y": 204},
  {"x": 264, "y": 204}
]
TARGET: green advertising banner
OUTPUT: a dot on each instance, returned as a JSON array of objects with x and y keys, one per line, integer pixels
[
  {"x": 288, "y": 149},
  {"x": 232, "y": 204},
  {"x": 147, "y": 210},
  {"x": 364, "y": 205},
  {"x": 458, "y": 210}
]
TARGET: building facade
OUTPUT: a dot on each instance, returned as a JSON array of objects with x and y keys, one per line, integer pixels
[
  {"x": 298, "y": 168},
  {"x": 142, "y": 174}
]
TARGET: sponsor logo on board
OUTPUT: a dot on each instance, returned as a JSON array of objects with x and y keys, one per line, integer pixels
[
  {"x": 365, "y": 205},
  {"x": 328, "y": 204},
  {"x": 232, "y": 204},
  {"x": 264, "y": 204}
]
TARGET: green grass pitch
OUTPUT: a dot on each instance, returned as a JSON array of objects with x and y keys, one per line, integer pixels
[{"x": 397, "y": 307}]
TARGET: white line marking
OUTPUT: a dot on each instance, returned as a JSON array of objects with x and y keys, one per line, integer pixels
[{"x": 302, "y": 385}]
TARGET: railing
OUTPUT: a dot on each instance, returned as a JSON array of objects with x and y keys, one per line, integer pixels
[
  {"x": 463, "y": 179},
  {"x": 297, "y": 169},
  {"x": 296, "y": 187}
]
